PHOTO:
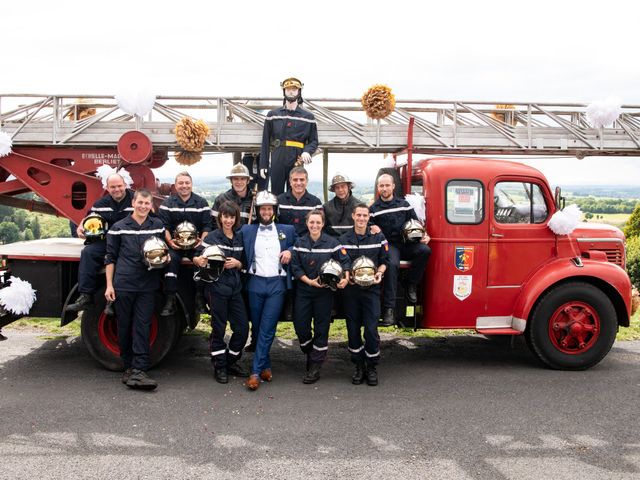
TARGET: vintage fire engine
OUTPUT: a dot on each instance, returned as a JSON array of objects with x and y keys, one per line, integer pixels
[{"x": 496, "y": 267}]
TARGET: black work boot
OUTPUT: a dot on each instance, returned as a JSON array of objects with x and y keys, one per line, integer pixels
[
  {"x": 412, "y": 293},
  {"x": 220, "y": 375},
  {"x": 169, "y": 305},
  {"x": 201, "y": 305},
  {"x": 388, "y": 318},
  {"x": 313, "y": 373},
  {"x": 109, "y": 309},
  {"x": 139, "y": 380},
  {"x": 358, "y": 374},
  {"x": 126, "y": 375},
  {"x": 372, "y": 375},
  {"x": 83, "y": 301},
  {"x": 237, "y": 370}
]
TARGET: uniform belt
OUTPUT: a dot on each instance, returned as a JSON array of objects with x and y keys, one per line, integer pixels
[{"x": 287, "y": 143}]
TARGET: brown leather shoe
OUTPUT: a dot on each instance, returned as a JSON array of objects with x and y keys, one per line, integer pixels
[
  {"x": 266, "y": 375},
  {"x": 253, "y": 382}
]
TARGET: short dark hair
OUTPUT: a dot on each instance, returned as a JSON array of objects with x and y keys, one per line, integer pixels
[
  {"x": 230, "y": 209},
  {"x": 317, "y": 211},
  {"x": 142, "y": 192},
  {"x": 360, "y": 205}
]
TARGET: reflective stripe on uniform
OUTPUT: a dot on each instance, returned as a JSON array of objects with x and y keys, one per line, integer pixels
[
  {"x": 300, "y": 207},
  {"x": 360, "y": 247},
  {"x": 169, "y": 274},
  {"x": 289, "y": 117},
  {"x": 372, "y": 354},
  {"x": 391, "y": 210},
  {"x": 356, "y": 350},
  {"x": 184, "y": 209},
  {"x": 218, "y": 352},
  {"x": 317, "y": 250},
  {"x": 307, "y": 342},
  {"x": 322, "y": 349},
  {"x": 135, "y": 232},
  {"x": 235, "y": 354}
]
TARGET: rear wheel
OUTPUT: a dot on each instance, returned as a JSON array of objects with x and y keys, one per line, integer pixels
[
  {"x": 100, "y": 334},
  {"x": 573, "y": 327}
]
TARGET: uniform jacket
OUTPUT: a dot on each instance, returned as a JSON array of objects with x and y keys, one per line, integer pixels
[
  {"x": 286, "y": 235},
  {"x": 292, "y": 211},
  {"x": 229, "y": 283},
  {"x": 174, "y": 211},
  {"x": 280, "y": 125},
  {"x": 308, "y": 256},
  {"x": 244, "y": 203},
  {"x": 124, "y": 249},
  {"x": 338, "y": 215},
  {"x": 391, "y": 216},
  {"x": 373, "y": 246},
  {"x": 111, "y": 210}
]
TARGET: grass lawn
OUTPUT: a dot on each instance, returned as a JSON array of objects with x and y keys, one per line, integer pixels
[{"x": 615, "y": 219}]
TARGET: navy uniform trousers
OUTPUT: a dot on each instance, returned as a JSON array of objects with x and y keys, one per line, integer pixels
[
  {"x": 134, "y": 311},
  {"x": 362, "y": 311},
  {"x": 316, "y": 303},
  {"x": 91, "y": 262},
  {"x": 225, "y": 307},
  {"x": 418, "y": 253}
]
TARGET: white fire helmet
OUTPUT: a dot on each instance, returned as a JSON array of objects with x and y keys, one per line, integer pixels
[
  {"x": 95, "y": 227},
  {"x": 214, "y": 267},
  {"x": 363, "y": 271},
  {"x": 239, "y": 170},
  {"x": 330, "y": 274},
  {"x": 266, "y": 198},
  {"x": 412, "y": 231},
  {"x": 155, "y": 253},
  {"x": 185, "y": 236}
]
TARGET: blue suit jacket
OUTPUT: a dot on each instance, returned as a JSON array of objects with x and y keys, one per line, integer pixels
[{"x": 286, "y": 234}]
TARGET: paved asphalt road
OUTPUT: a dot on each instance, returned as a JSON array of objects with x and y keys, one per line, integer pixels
[{"x": 450, "y": 408}]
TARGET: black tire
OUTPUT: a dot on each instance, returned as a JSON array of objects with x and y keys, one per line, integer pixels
[
  {"x": 99, "y": 334},
  {"x": 548, "y": 327}
]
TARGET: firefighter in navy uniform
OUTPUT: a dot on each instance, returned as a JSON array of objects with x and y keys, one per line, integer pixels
[
  {"x": 362, "y": 296},
  {"x": 314, "y": 299},
  {"x": 294, "y": 205},
  {"x": 112, "y": 208},
  {"x": 132, "y": 285},
  {"x": 292, "y": 133},
  {"x": 239, "y": 194},
  {"x": 183, "y": 206},
  {"x": 389, "y": 214},
  {"x": 224, "y": 292},
  {"x": 338, "y": 210}
]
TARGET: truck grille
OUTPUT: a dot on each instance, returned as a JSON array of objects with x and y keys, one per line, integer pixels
[{"x": 614, "y": 255}]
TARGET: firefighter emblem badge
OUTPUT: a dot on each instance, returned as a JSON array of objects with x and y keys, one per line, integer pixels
[
  {"x": 462, "y": 286},
  {"x": 464, "y": 258}
]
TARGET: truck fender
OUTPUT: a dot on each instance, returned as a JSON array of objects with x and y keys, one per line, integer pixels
[{"x": 609, "y": 277}]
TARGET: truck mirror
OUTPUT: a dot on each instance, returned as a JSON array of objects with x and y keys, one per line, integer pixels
[{"x": 559, "y": 199}]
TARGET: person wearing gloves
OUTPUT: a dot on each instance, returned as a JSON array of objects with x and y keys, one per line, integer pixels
[
  {"x": 224, "y": 293},
  {"x": 291, "y": 132},
  {"x": 314, "y": 299}
]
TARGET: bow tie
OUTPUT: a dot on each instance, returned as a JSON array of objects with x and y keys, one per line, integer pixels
[{"x": 266, "y": 227}]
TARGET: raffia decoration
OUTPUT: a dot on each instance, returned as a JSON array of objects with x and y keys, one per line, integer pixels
[
  {"x": 191, "y": 134},
  {"x": 506, "y": 117},
  {"x": 635, "y": 299},
  {"x": 378, "y": 102},
  {"x": 188, "y": 158}
]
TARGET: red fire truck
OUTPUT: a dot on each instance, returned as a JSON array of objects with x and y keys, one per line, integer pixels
[{"x": 496, "y": 266}]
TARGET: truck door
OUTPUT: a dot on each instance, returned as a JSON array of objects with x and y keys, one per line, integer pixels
[{"x": 519, "y": 240}]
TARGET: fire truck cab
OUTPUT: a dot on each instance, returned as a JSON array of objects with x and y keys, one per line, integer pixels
[{"x": 498, "y": 268}]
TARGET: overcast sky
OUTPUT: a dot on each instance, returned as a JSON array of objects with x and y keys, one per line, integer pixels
[{"x": 560, "y": 51}]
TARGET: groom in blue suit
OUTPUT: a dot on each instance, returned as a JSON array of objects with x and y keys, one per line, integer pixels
[{"x": 267, "y": 246}]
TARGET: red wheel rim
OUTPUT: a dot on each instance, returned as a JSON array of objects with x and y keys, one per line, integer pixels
[
  {"x": 574, "y": 328},
  {"x": 108, "y": 332}
]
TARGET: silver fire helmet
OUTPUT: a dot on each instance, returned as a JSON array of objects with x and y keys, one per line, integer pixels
[
  {"x": 185, "y": 236},
  {"x": 155, "y": 253},
  {"x": 363, "y": 271},
  {"x": 239, "y": 170},
  {"x": 330, "y": 274},
  {"x": 266, "y": 198},
  {"x": 412, "y": 231},
  {"x": 214, "y": 267},
  {"x": 340, "y": 178}
]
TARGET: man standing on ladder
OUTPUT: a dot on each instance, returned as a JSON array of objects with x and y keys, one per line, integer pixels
[{"x": 293, "y": 134}]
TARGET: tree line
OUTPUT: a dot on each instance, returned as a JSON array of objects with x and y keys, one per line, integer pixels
[
  {"x": 17, "y": 224},
  {"x": 603, "y": 205}
]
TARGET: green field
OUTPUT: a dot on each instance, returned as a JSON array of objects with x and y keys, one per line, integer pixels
[{"x": 615, "y": 219}]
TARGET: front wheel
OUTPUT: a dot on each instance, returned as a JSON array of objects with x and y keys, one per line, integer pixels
[
  {"x": 572, "y": 327},
  {"x": 100, "y": 334}
]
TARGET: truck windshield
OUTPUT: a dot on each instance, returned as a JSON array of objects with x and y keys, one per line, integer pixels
[{"x": 519, "y": 202}]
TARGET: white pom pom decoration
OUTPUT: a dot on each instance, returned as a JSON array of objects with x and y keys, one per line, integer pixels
[
  {"x": 565, "y": 221},
  {"x": 5, "y": 144},
  {"x": 135, "y": 102},
  {"x": 602, "y": 113},
  {"x": 18, "y": 297},
  {"x": 105, "y": 171},
  {"x": 417, "y": 202}
]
